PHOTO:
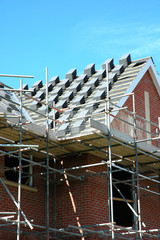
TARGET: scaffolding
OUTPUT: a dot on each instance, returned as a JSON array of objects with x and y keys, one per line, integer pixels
[{"x": 48, "y": 146}]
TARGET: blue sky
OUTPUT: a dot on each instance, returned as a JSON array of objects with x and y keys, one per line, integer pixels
[{"x": 67, "y": 34}]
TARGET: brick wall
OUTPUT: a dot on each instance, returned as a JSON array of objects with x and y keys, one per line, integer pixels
[
  {"x": 150, "y": 205},
  {"x": 32, "y": 203},
  {"x": 146, "y": 84},
  {"x": 78, "y": 202},
  {"x": 83, "y": 202}
]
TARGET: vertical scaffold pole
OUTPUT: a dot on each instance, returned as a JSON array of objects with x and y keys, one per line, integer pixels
[
  {"x": 55, "y": 224},
  {"x": 20, "y": 164},
  {"x": 47, "y": 160},
  {"x": 111, "y": 214},
  {"x": 54, "y": 117},
  {"x": 134, "y": 197},
  {"x": 137, "y": 173}
]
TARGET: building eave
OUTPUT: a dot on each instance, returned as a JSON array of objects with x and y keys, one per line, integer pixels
[{"x": 149, "y": 66}]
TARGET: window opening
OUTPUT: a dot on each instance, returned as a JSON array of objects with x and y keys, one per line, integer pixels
[
  {"x": 12, "y": 173},
  {"x": 123, "y": 215}
]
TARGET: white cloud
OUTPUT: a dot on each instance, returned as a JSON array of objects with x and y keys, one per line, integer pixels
[
  {"x": 147, "y": 48},
  {"x": 103, "y": 39}
]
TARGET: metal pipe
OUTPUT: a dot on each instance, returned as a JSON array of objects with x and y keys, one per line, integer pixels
[
  {"x": 83, "y": 166},
  {"x": 105, "y": 114},
  {"x": 108, "y": 171},
  {"x": 55, "y": 202},
  {"x": 90, "y": 230},
  {"x": 43, "y": 227},
  {"x": 157, "y": 134},
  {"x": 134, "y": 199},
  {"x": 18, "y": 145},
  {"x": 121, "y": 96},
  {"x": 103, "y": 233},
  {"x": 109, "y": 167},
  {"x": 140, "y": 175},
  {"x": 146, "y": 120},
  {"x": 47, "y": 160},
  {"x": 137, "y": 172},
  {"x": 9, "y": 116},
  {"x": 20, "y": 165},
  {"x": 11, "y": 152},
  {"x": 143, "y": 231},
  {"x": 145, "y": 140},
  {"x": 58, "y": 230},
  {"x": 15, "y": 90},
  {"x": 6, "y": 224},
  {"x": 17, "y": 76},
  {"x": 31, "y": 173},
  {"x": 128, "y": 204},
  {"x": 6, "y": 213},
  {"x": 115, "y": 109},
  {"x": 97, "y": 225}
]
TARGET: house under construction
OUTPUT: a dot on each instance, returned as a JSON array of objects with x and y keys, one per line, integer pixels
[{"x": 80, "y": 157}]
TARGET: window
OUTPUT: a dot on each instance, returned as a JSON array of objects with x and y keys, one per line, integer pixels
[
  {"x": 123, "y": 215},
  {"x": 12, "y": 172}
]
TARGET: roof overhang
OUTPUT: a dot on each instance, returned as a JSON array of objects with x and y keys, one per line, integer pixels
[{"x": 149, "y": 66}]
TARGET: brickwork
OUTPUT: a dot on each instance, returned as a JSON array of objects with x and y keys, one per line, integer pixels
[
  {"x": 82, "y": 199},
  {"x": 79, "y": 202},
  {"x": 146, "y": 84},
  {"x": 32, "y": 203},
  {"x": 83, "y": 202},
  {"x": 150, "y": 205}
]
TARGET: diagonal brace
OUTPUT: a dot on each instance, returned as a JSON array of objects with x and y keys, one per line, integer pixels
[
  {"x": 15, "y": 202},
  {"x": 128, "y": 204}
]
